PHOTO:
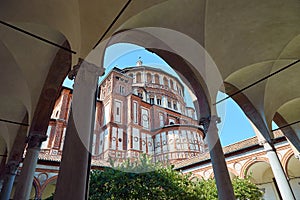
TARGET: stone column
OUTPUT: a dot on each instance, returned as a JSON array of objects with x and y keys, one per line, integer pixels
[
  {"x": 8, "y": 180},
  {"x": 25, "y": 180},
  {"x": 2, "y": 168},
  {"x": 72, "y": 183},
  {"x": 281, "y": 179},
  {"x": 221, "y": 175}
]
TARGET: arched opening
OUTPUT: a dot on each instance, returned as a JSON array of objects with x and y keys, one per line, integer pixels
[
  {"x": 131, "y": 75},
  {"x": 261, "y": 174},
  {"x": 171, "y": 85},
  {"x": 149, "y": 106},
  {"x": 232, "y": 116},
  {"x": 166, "y": 82},
  {"x": 156, "y": 79},
  {"x": 149, "y": 78},
  {"x": 49, "y": 189},
  {"x": 138, "y": 77},
  {"x": 293, "y": 172},
  {"x": 33, "y": 192}
]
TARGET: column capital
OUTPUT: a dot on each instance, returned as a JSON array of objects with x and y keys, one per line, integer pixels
[
  {"x": 206, "y": 121},
  {"x": 35, "y": 140},
  {"x": 72, "y": 74},
  {"x": 264, "y": 142},
  {"x": 11, "y": 167},
  {"x": 268, "y": 146},
  {"x": 91, "y": 67},
  {"x": 297, "y": 156},
  {"x": 216, "y": 119}
]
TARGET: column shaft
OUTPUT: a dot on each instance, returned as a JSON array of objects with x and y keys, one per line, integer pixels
[
  {"x": 72, "y": 183},
  {"x": 281, "y": 179},
  {"x": 24, "y": 184},
  {"x": 221, "y": 175},
  {"x": 72, "y": 179},
  {"x": 8, "y": 181}
]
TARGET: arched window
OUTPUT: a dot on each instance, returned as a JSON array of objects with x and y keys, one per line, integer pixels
[
  {"x": 158, "y": 100},
  {"x": 166, "y": 82},
  {"x": 171, "y": 84},
  {"x": 151, "y": 99},
  {"x": 149, "y": 78},
  {"x": 138, "y": 77},
  {"x": 140, "y": 93},
  {"x": 156, "y": 78}
]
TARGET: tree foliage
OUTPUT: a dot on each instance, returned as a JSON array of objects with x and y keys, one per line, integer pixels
[
  {"x": 141, "y": 180},
  {"x": 244, "y": 189},
  {"x": 144, "y": 180}
]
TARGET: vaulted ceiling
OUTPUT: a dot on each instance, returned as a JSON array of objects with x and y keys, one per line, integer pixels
[{"x": 245, "y": 41}]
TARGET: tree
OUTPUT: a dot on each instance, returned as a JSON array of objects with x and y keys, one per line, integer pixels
[
  {"x": 144, "y": 180},
  {"x": 244, "y": 189},
  {"x": 141, "y": 180}
]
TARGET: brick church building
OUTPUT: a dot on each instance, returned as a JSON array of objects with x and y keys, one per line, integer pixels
[{"x": 140, "y": 109}]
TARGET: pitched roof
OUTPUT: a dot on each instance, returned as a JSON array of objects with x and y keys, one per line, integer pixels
[{"x": 227, "y": 149}]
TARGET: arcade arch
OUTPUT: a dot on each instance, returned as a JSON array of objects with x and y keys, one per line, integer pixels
[
  {"x": 293, "y": 172},
  {"x": 48, "y": 187},
  {"x": 261, "y": 174}
]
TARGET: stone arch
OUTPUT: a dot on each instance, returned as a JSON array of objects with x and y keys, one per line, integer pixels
[
  {"x": 130, "y": 75},
  {"x": 37, "y": 186},
  {"x": 191, "y": 77},
  {"x": 262, "y": 175},
  {"x": 212, "y": 175},
  {"x": 35, "y": 189},
  {"x": 293, "y": 172},
  {"x": 261, "y": 172},
  {"x": 285, "y": 159},
  {"x": 250, "y": 162},
  {"x": 232, "y": 173},
  {"x": 291, "y": 164},
  {"x": 208, "y": 173},
  {"x": 48, "y": 183},
  {"x": 249, "y": 109},
  {"x": 190, "y": 71},
  {"x": 195, "y": 177},
  {"x": 282, "y": 118}
]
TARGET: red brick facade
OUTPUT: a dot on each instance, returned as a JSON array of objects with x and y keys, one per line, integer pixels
[{"x": 139, "y": 110}]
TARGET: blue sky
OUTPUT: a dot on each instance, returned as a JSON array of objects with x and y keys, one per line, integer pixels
[{"x": 234, "y": 126}]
